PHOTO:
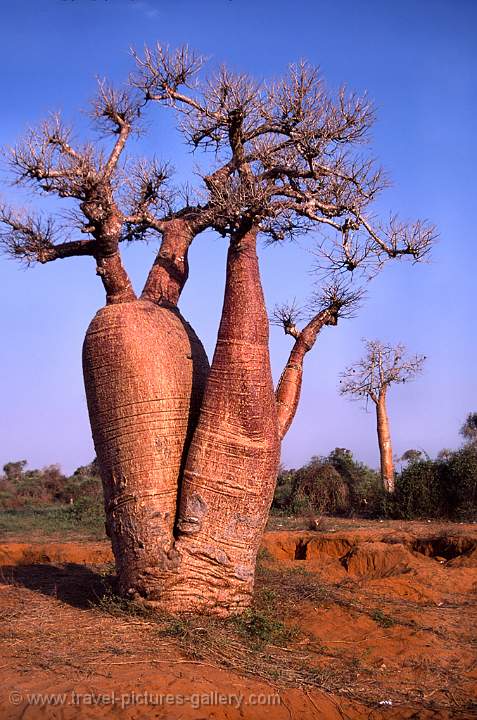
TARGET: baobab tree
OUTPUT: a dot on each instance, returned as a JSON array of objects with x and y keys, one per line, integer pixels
[
  {"x": 144, "y": 367},
  {"x": 289, "y": 163},
  {"x": 189, "y": 456},
  {"x": 370, "y": 378}
]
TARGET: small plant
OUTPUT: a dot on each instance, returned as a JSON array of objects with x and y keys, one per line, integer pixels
[
  {"x": 262, "y": 628},
  {"x": 264, "y": 555},
  {"x": 381, "y": 619},
  {"x": 176, "y": 627},
  {"x": 117, "y": 606}
]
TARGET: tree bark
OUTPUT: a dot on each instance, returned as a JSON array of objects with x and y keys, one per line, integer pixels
[
  {"x": 384, "y": 440},
  {"x": 288, "y": 389},
  {"x": 170, "y": 271},
  {"x": 144, "y": 372},
  {"x": 231, "y": 467}
]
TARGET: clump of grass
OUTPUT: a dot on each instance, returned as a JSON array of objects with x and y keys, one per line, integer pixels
[
  {"x": 117, "y": 606},
  {"x": 381, "y": 619},
  {"x": 262, "y": 628}
]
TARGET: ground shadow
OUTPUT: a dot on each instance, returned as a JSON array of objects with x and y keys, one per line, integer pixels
[{"x": 77, "y": 585}]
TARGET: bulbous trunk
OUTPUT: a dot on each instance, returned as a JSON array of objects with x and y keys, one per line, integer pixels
[
  {"x": 385, "y": 447},
  {"x": 231, "y": 467},
  {"x": 144, "y": 372}
]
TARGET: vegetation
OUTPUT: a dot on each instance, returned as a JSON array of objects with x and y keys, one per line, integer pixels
[
  {"x": 47, "y": 501},
  {"x": 335, "y": 484},
  {"x": 339, "y": 485},
  {"x": 445, "y": 487}
]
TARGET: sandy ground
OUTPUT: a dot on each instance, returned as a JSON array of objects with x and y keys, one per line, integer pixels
[{"x": 383, "y": 618}]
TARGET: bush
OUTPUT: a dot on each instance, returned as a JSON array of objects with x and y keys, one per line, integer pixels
[
  {"x": 318, "y": 487},
  {"x": 441, "y": 488},
  {"x": 419, "y": 490},
  {"x": 20, "y": 488},
  {"x": 88, "y": 511},
  {"x": 460, "y": 480},
  {"x": 332, "y": 485},
  {"x": 367, "y": 497},
  {"x": 339, "y": 485}
]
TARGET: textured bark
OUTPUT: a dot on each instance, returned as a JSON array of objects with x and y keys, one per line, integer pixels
[
  {"x": 115, "y": 279},
  {"x": 144, "y": 372},
  {"x": 171, "y": 268},
  {"x": 289, "y": 386},
  {"x": 232, "y": 463},
  {"x": 384, "y": 440}
]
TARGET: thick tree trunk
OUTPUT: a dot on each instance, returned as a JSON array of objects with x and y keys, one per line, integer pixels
[
  {"x": 385, "y": 448},
  {"x": 231, "y": 467},
  {"x": 144, "y": 372}
]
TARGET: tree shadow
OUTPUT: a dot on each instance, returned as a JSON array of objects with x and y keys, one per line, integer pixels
[{"x": 72, "y": 583}]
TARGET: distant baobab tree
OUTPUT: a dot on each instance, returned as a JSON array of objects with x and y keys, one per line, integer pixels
[
  {"x": 370, "y": 378},
  {"x": 188, "y": 456}
]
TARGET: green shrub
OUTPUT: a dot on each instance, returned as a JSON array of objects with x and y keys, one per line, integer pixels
[
  {"x": 419, "y": 490},
  {"x": 332, "y": 485},
  {"x": 339, "y": 485},
  {"x": 441, "y": 488}
]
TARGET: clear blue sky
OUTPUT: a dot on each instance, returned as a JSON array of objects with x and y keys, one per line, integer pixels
[{"x": 417, "y": 60}]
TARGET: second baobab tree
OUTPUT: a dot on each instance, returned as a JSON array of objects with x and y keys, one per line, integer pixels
[{"x": 370, "y": 378}]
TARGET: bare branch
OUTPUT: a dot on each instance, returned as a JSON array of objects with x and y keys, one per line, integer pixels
[
  {"x": 287, "y": 316},
  {"x": 339, "y": 297},
  {"x": 116, "y": 111},
  {"x": 399, "y": 238},
  {"x": 32, "y": 238},
  {"x": 382, "y": 366},
  {"x": 147, "y": 193},
  {"x": 47, "y": 159},
  {"x": 160, "y": 72}
]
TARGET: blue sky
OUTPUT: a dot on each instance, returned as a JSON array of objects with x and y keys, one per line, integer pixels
[{"x": 418, "y": 62}]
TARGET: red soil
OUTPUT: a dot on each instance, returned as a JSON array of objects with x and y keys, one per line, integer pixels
[{"x": 392, "y": 634}]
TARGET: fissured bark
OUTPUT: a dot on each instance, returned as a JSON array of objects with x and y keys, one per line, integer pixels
[
  {"x": 144, "y": 373},
  {"x": 231, "y": 467}
]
